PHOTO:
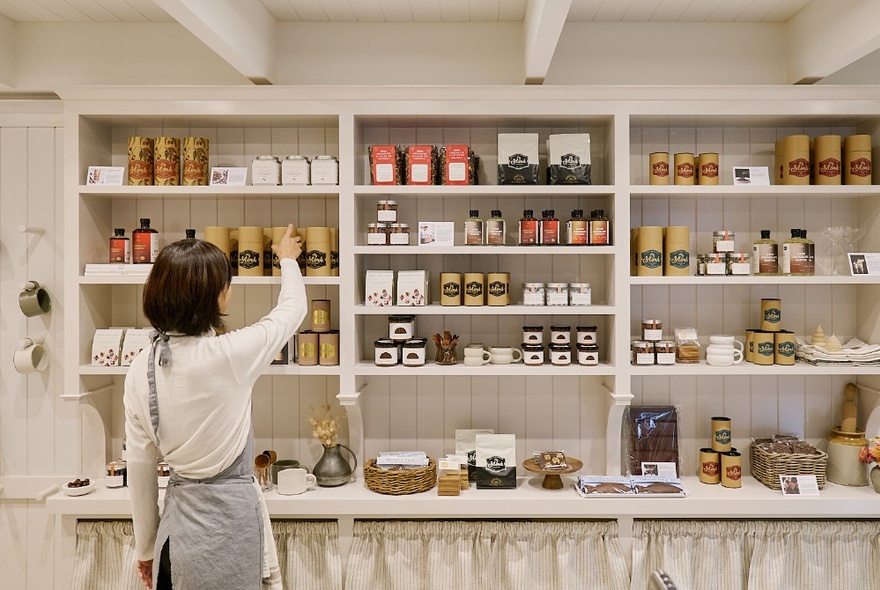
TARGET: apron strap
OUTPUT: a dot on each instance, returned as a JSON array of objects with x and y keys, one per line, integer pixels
[{"x": 159, "y": 340}]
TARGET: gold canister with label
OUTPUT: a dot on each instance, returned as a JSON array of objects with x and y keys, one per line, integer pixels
[
  {"x": 764, "y": 348},
  {"x": 709, "y": 170},
  {"x": 195, "y": 161},
  {"x": 233, "y": 249},
  {"x": 498, "y": 288},
  {"x": 676, "y": 251},
  {"x": 140, "y": 161},
  {"x": 474, "y": 288},
  {"x": 771, "y": 314},
  {"x": 166, "y": 161},
  {"x": 826, "y": 160},
  {"x": 784, "y": 345},
  {"x": 277, "y": 235},
  {"x": 267, "y": 251},
  {"x": 307, "y": 348},
  {"x": 219, "y": 236},
  {"x": 650, "y": 251},
  {"x": 795, "y": 160},
  {"x": 710, "y": 467},
  {"x": 320, "y": 315},
  {"x": 634, "y": 251},
  {"x": 749, "y": 346},
  {"x": 721, "y": 436},
  {"x": 685, "y": 168},
  {"x": 301, "y": 259},
  {"x": 857, "y": 165},
  {"x": 731, "y": 469},
  {"x": 658, "y": 173},
  {"x": 250, "y": 251},
  {"x": 450, "y": 288},
  {"x": 318, "y": 254},
  {"x": 334, "y": 251},
  {"x": 328, "y": 348}
]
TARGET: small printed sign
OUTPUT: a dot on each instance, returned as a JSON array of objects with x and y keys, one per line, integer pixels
[
  {"x": 223, "y": 176},
  {"x": 106, "y": 175},
  {"x": 751, "y": 176},
  {"x": 799, "y": 485},
  {"x": 864, "y": 264},
  {"x": 436, "y": 233}
]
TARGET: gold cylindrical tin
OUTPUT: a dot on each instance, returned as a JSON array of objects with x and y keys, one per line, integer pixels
[
  {"x": 166, "y": 161},
  {"x": 685, "y": 168},
  {"x": 195, "y": 161},
  {"x": 634, "y": 251},
  {"x": 710, "y": 466},
  {"x": 267, "y": 251},
  {"x": 328, "y": 348},
  {"x": 450, "y": 288},
  {"x": 749, "y": 346},
  {"x": 301, "y": 259},
  {"x": 140, "y": 161},
  {"x": 676, "y": 251},
  {"x": 250, "y": 251},
  {"x": 764, "y": 348},
  {"x": 320, "y": 315},
  {"x": 233, "y": 249},
  {"x": 307, "y": 348},
  {"x": 709, "y": 170},
  {"x": 795, "y": 160},
  {"x": 721, "y": 437},
  {"x": 497, "y": 288},
  {"x": 219, "y": 236},
  {"x": 334, "y": 251},
  {"x": 650, "y": 251},
  {"x": 658, "y": 171},
  {"x": 826, "y": 160},
  {"x": 857, "y": 165},
  {"x": 777, "y": 161},
  {"x": 784, "y": 345},
  {"x": 277, "y": 234},
  {"x": 771, "y": 315},
  {"x": 318, "y": 254},
  {"x": 731, "y": 469},
  {"x": 474, "y": 288}
]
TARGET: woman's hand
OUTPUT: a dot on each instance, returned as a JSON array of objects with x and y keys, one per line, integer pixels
[
  {"x": 290, "y": 246},
  {"x": 145, "y": 572}
]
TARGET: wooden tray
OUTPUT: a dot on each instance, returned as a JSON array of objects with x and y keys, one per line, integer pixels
[{"x": 552, "y": 479}]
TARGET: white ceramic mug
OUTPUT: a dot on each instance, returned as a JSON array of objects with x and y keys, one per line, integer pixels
[
  {"x": 476, "y": 355},
  {"x": 723, "y": 356},
  {"x": 726, "y": 341},
  {"x": 295, "y": 481},
  {"x": 30, "y": 356},
  {"x": 504, "y": 355}
]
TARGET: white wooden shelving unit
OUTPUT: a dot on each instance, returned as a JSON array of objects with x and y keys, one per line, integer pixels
[{"x": 575, "y": 408}]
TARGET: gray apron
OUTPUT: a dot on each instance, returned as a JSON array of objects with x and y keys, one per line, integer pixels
[{"x": 214, "y": 526}]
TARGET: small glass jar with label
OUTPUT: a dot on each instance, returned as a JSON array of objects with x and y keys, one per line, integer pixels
[
  {"x": 560, "y": 334},
  {"x": 557, "y": 294},
  {"x": 533, "y": 334},
  {"x": 386, "y": 211},
  {"x": 377, "y": 234},
  {"x": 588, "y": 355},
  {"x": 534, "y": 294},
  {"x": 739, "y": 264},
  {"x": 723, "y": 241},
  {"x": 642, "y": 352},
  {"x": 398, "y": 234},
  {"x": 652, "y": 330},
  {"x": 414, "y": 352},
  {"x": 117, "y": 474},
  {"x": 664, "y": 352},
  {"x": 386, "y": 352},
  {"x": 580, "y": 294},
  {"x": 401, "y": 327},
  {"x": 716, "y": 264},
  {"x": 533, "y": 354},
  {"x": 560, "y": 354},
  {"x": 587, "y": 335}
]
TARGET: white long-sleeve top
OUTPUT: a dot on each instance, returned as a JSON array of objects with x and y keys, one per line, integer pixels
[{"x": 204, "y": 400}]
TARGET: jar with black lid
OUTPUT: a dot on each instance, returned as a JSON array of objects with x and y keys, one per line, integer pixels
[
  {"x": 533, "y": 334},
  {"x": 560, "y": 334},
  {"x": 386, "y": 352},
  {"x": 414, "y": 352},
  {"x": 560, "y": 354},
  {"x": 588, "y": 355},
  {"x": 401, "y": 327},
  {"x": 533, "y": 354},
  {"x": 587, "y": 335}
]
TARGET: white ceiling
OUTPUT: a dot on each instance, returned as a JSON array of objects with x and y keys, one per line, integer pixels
[{"x": 426, "y": 11}]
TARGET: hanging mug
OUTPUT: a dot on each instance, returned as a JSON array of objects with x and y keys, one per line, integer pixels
[
  {"x": 31, "y": 356},
  {"x": 34, "y": 300}
]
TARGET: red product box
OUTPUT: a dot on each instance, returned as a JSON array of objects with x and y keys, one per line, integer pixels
[
  {"x": 384, "y": 164},
  {"x": 420, "y": 165},
  {"x": 457, "y": 165}
]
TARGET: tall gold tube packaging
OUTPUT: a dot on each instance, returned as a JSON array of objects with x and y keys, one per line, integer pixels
[
  {"x": 634, "y": 251},
  {"x": 166, "y": 161},
  {"x": 334, "y": 251},
  {"x": 685, "y": 170},
  {"x": 826, "y": 160},
  {"x": 709, "y": 171},
  {"x": 195, "y": 161},
  {"x": 267, "y": 251},
  {"x": 250, "y": 251},
  {"x": 658, "y": 172},
  {"x": 140, "y": 161},
  {"x": 318, "y": 253},
  {"x": 277, "y": 234},
  {"x": 857, "y": 166},
  {"x": 650, "y": 248},
  {"x": 796, "y": 160},
  {"x": 676, "y": 251}
]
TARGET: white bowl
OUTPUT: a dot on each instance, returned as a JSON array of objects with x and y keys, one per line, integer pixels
[{"x": 81, "y": 491}]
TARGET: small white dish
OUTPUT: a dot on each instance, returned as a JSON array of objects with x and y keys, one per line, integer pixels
[{"x": 80, "y": 491}]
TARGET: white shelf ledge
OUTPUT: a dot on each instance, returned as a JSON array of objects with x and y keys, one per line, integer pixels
[
  {"x": 745, "y": 368},
  {"x": 490, "y": 250},
  {"x": 715, "y": 281},
  {"x": 754, "y": 191},
  {"x": 140, "y": 280},
  {"x": 271, "y": 370},
  {"x": 528, "y": 500},
  {"x": 487, "y": 190},
  {"x": 460, "y": 369},
  {"x": 529, "y": 310},
  {"x": 210, "y": 192}
]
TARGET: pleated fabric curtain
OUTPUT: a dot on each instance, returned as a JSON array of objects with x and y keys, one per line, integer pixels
[
  {"x": 308, "y": 554},
  {"x": 475, "y": 555},
  {"x": 758, "y": 555}
]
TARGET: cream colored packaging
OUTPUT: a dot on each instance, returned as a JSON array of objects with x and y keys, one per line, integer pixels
[
  {"x": 658, "y": 168},
  {"x": 250, "y": 251},
  {"x": 379, "y": 288},
  {"x": 413, "y": 288},
  {"x": 676, "y": 251},
  {"x": 857, "y": 165},
  {"x": 827, "y": 166},
  {"x": 650, "y": 251},
  {"x": 685, "y": 168},
  {"x": 709, "y": 170}
]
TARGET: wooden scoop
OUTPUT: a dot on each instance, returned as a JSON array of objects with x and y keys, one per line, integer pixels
[{"x": 262, "y": 461}]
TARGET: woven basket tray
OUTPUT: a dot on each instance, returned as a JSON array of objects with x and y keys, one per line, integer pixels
[
  {"x": 767, "y": 467},
  {"x": 398, "y": 483}
]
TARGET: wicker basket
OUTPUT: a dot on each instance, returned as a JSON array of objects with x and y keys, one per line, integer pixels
[
  {"x": 767, "y": 466},
  {"x": 398, "y": 483}
]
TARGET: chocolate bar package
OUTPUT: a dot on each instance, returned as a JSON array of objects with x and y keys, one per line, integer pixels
[
  {"x": 650, "y": 435},
  {"x": 466, "y": 446},
  {"x": 496, "y": 461},
  {"x": 517, "y": 158},
  {"x": 568, "y": 159}
]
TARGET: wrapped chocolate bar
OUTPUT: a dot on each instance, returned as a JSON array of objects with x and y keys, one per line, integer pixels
[
  {"x": 650, "y": 438},
  {"x": 421, "y": 165},
  {"x": 496, "y": 461},
  {"x": 386, "y": 164},
  {"x": 550, "y": 460},
  {"x": 458, "y": 165}
]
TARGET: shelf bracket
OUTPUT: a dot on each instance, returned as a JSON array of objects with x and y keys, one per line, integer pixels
[
  {"x": 613, "y": 447},
  {"x": 353, "y": 410},
  {"x": 84, "y": 395}
]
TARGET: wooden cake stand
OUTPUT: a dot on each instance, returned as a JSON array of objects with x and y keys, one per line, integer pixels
[{"x": 552, "y": 479}]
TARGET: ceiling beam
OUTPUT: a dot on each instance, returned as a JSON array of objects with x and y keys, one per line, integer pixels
[
  {"x": 242, "y": 32},
  {"x": 7, "y": 53},
  {"x": 543, "y": 23},
  {"x": 828, "y": 35}
]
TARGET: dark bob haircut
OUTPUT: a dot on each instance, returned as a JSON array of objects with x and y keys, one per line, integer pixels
[{"x": 182, "y": 292}]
